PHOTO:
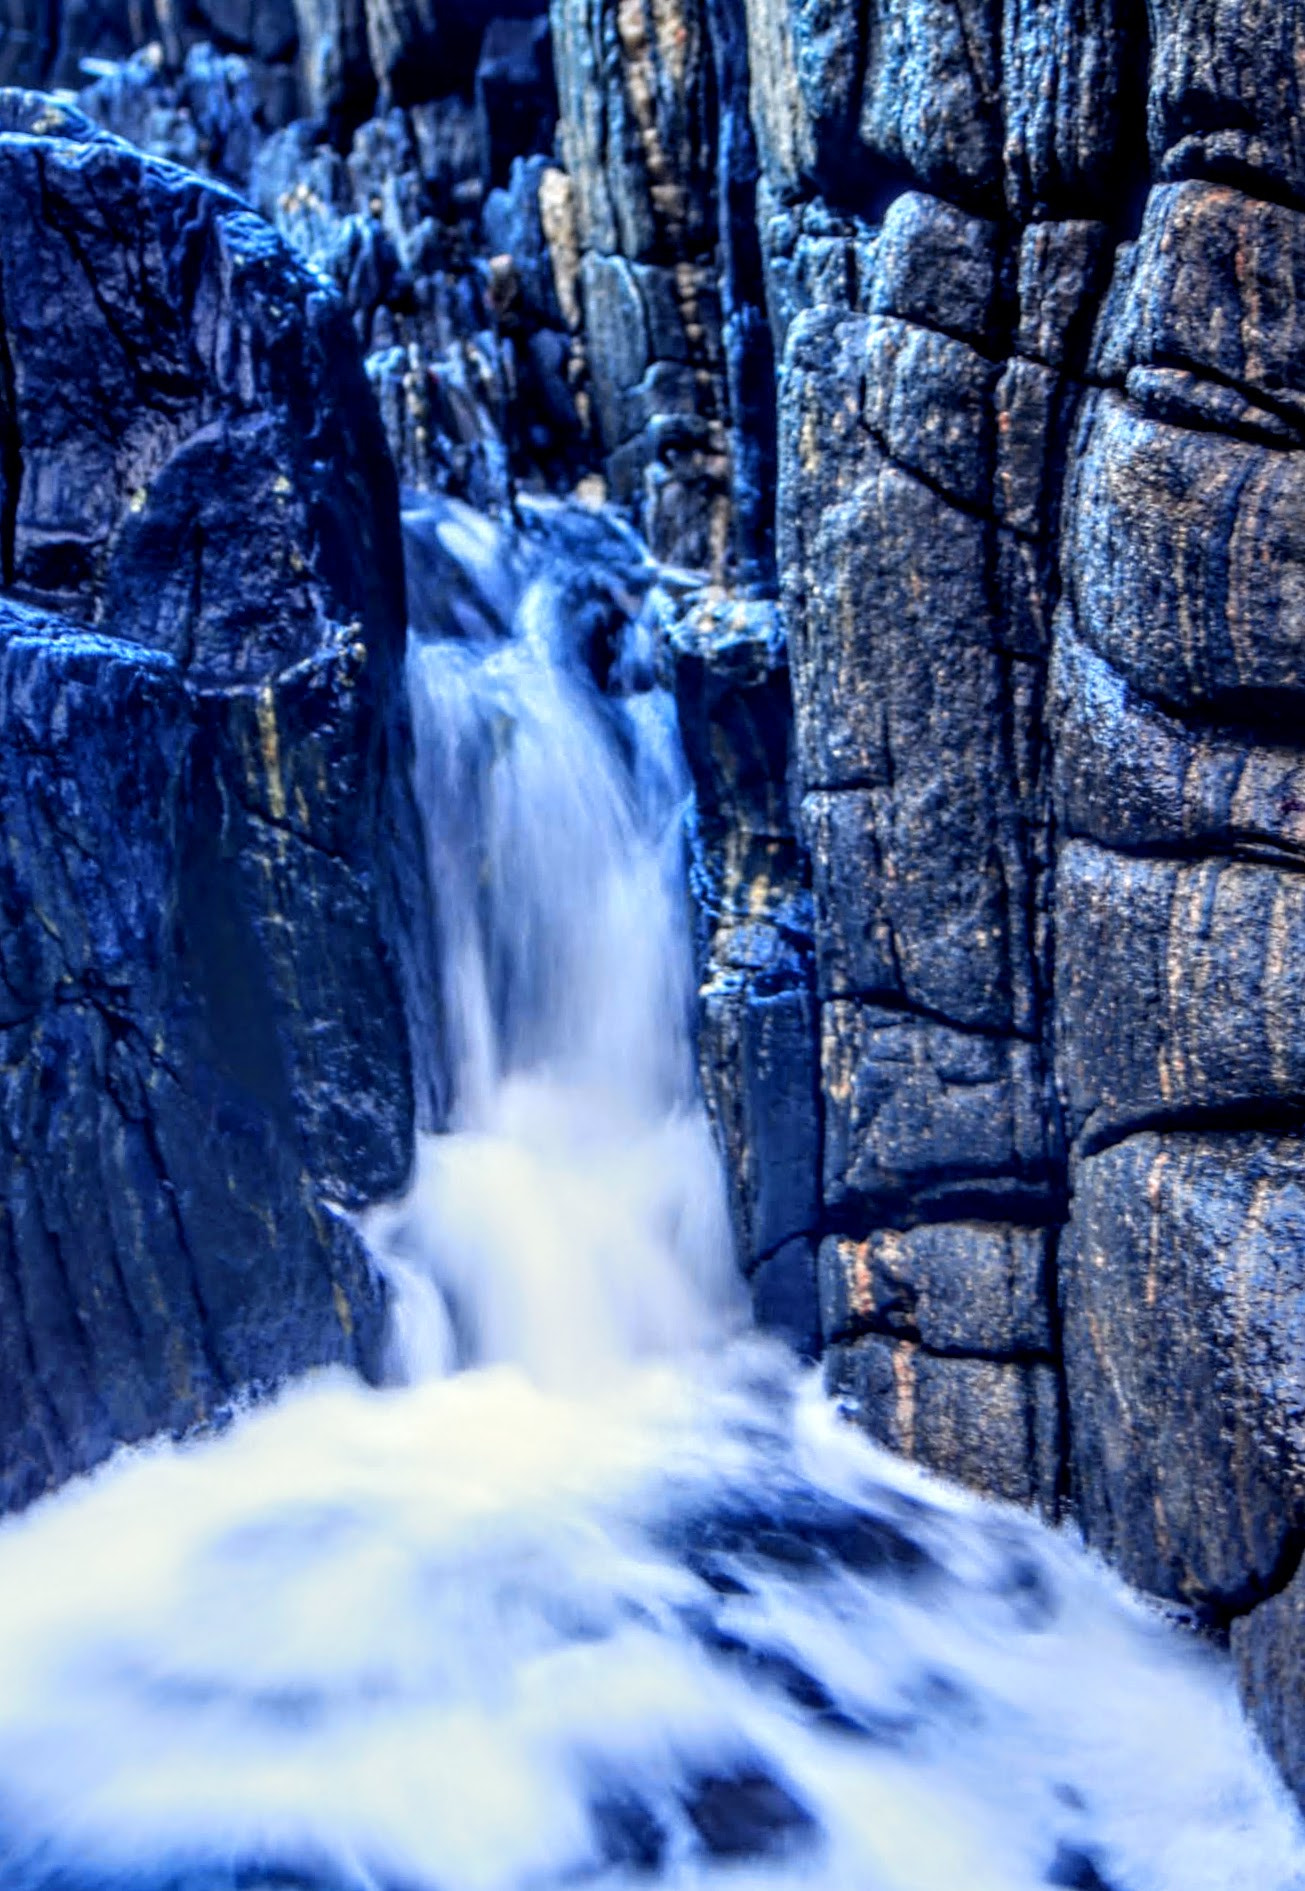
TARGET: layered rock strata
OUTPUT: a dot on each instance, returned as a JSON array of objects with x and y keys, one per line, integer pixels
[
  {"x": 205, "y": 807},
  {"x": 1031, "y": 274}
]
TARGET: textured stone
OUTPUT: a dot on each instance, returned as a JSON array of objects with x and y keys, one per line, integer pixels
[
  {"x": 1226, "y": 92},
  {"x": 1186, "y": 399},
  {"x": 1072, "y": 76},
  {"x": 807, "y": 64},
  {"x": 1063, "y": 271},
  {"x": 210, "y": 115},
  {"x": 1133, "y": 777},
  {"x": 932, "y": 101},
  {"x": 812, "y": 259},
  {"x": 965, "y": 1288},
  {"x": 916, "y": 1110},
  {"x": 165, "y": 1238},
  {"x": 1269, "y": 1646},
  {"x": 635, "y": 85},
  {"x": 1033, "y": 407},
  {"x": 514, "y": 225},
  {"x": 403, "y": 37},
  {"x": 205, "y": 808},
  {"x": 1182, "y": 1274},
  {"x": 784, "y": 1297},
  {"x": 762, "y": 1086},
  {"x": 1180, "y": 986},
  {"x": 901, "y": 915},
  {"x": 903, "y": 701},
  {"x": 863, "y": 608},
  {"x": 618, "y": 341},
  {"x": 747, "y": 334},
  {"x": 1218, "y": 287},
  {"x": 180, "y": 456},
  {"x": 929, "y": 399},
  {"x": 903, "y": 444},
  {"x": 937, "y": 266},
  {"x": 1185, "y": 554},
  {"x": 71, "y": 923},
  {"x": 729, "y": 671},
  {"x": 991, "y": 1425},
  {"x": 634, "y": 137}
]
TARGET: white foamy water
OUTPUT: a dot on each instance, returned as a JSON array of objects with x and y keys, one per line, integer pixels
[
  {"x": 574, "y": 1221},
  {"x": 606, "y": 1593}
]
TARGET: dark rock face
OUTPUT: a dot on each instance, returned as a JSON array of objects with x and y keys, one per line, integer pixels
[
  {"x": 44, "y": 45},
  {"x": 1002, "y": 989},
  {"x": 1269, "y": 1645},
  {"x": 758, "y": 1006},
  {"x": 912, "y": 521},
  {"x": 442, "y": 220},
  {"x": 655, "y": 139},
  {"x": 1185, "y": 1357},
  {"x": 202, "y": 954},
  {"x": 168, "y": 46},
  {"x": 992, "y": 1423}
]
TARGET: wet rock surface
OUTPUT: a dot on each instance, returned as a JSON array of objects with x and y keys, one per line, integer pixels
[
  {"x": 1031, "y": 280},
  {"x": 1183, "y": 1357},
  {"x": 203, "y": 792}
]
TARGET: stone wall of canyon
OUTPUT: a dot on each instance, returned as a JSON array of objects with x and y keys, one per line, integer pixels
[{"x": 1005, "y": 938}]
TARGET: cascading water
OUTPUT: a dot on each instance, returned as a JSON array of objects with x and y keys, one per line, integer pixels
[
  {"x": 605, "y": 1593},
  {"x": 574, "y": 1221}
]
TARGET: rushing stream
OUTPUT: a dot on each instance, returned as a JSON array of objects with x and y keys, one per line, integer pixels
[{"x": 601, "y": 1591}]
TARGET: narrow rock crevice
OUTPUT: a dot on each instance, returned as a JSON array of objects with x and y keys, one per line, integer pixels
[{"x": 11, "y": 451}]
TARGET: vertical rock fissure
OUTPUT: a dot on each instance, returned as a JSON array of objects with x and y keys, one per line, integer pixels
[{"x": 11, "y": 449}]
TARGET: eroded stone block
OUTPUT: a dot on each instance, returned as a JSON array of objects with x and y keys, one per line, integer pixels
[
  {"x": 1182, "y": 1273},
  {"x": 967, "y": 1287},
  {"x": 992, "y": 1426},
  {"x": 916, "y": 1109},
  {"x": 1180, "y": 986}
]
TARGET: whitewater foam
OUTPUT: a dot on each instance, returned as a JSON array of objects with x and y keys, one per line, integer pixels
[{"x": 478, "y": 1634}]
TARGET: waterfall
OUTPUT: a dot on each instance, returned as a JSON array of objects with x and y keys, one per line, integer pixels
[
  {"x": 600, "y": 1591},
  {"x": 574, "y": 1220}
]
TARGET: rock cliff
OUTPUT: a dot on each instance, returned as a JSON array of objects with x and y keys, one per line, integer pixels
[
  {"x": 1001, "y": 1009},
  {"x": 205, "y": 816}
]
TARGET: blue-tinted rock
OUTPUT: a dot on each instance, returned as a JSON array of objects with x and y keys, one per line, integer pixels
[{"x": 204, "y": 934}]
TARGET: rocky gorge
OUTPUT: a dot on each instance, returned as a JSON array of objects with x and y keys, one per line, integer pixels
[{"x": 944, "y": 355}]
